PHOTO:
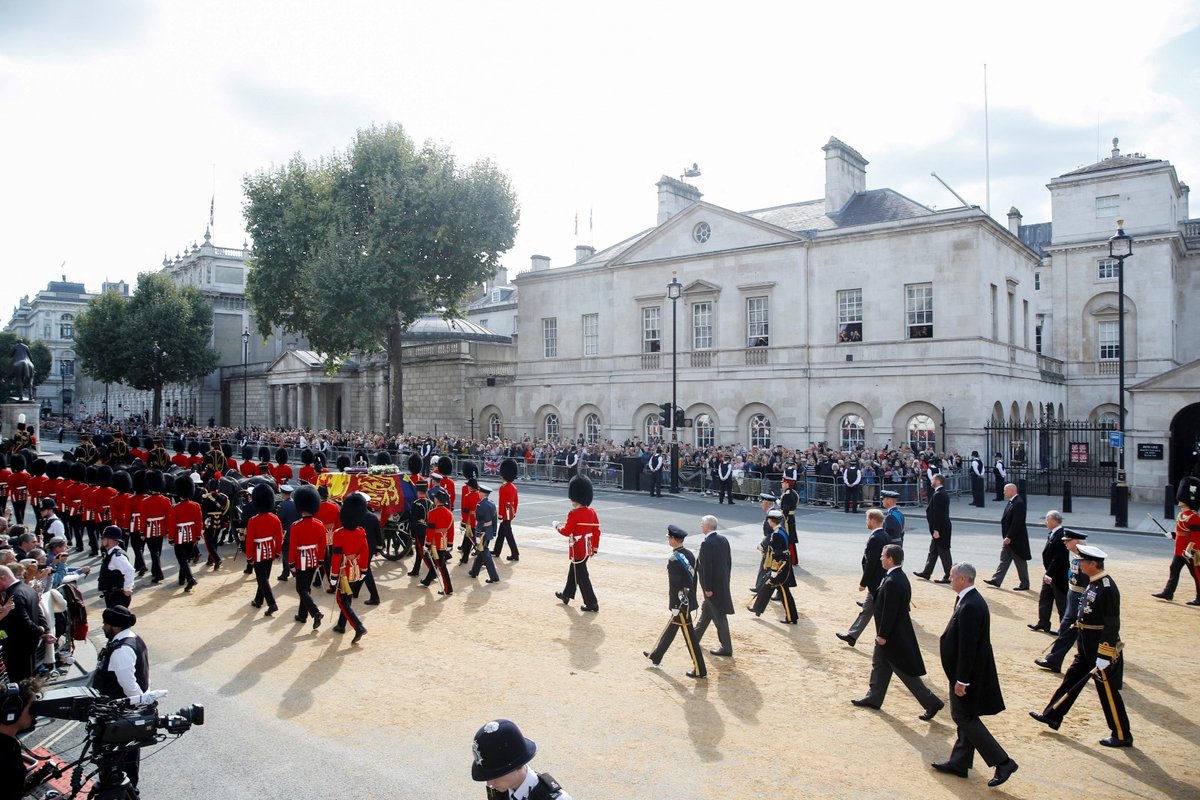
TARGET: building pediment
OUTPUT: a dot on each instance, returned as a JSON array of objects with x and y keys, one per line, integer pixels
[
  {"x": 703, "y": 228},
  {"x": 1184, "y": 378},
  {"x": 295, "y": 363}
]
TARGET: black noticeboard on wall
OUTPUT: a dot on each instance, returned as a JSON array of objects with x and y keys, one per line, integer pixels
[{"x": 1150, "y": 452}]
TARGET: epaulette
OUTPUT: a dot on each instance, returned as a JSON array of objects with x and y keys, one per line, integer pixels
[
  {"x": 547, "y": 787},
  {"x": 1105, "y": 582}
]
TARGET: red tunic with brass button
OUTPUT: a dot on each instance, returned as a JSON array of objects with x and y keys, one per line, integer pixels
[
  {"x": 264, "y": 537},
  {"x": 349, "y": 547},
  {"x": 506, "y": 504},
  {"x": 440, "y": 531},
  {"x": 306, "y": 548},
  {"x": 156, "y": 516},
  {"x": 187, "y": 522},
  {"x": 470, "y": 500},
  {"x": 582, "y": 530}
]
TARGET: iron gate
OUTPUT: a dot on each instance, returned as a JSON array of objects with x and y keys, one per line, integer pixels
[{"x": 1050, "y": 451}]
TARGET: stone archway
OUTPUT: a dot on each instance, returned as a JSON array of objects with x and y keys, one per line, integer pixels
[{"x": 1185, "y": 442}]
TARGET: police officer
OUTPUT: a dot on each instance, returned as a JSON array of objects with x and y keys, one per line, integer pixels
[
  {"x": 977, "y": 480},
  {"x": 1001, "y": 476},
  {"x": 655, "y": 465},
  {"x": 501, "y": 756},
  {"x": 852, "y": 478},
  {"x": 681, "y": 598},
  {"x": 724, "y": 475},
  {"x": 115, "y": 580}
]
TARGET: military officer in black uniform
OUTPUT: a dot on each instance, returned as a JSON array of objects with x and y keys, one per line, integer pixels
[
  {"x": 86, "y": 452},
  {"x": 778, "y": 566},
  {"x": 501, "y": 756},
  {"x": 1098, "y": 653},
  {"x": 681, "y": 579},
  {"x": 789, "y": 501},
  {"x": 893, "y": 517},
  {"x": 158, "y": 457}
]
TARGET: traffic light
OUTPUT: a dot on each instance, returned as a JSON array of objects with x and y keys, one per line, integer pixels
[
  {"x": 664, "y": 416},
  {"x": 678, "y": 417}
]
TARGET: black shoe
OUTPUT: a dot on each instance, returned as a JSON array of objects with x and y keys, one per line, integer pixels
[
  {"x": 426, "y": 583},
  {"x": 412, "y": 573},
  {"x": 787, "y": 621},
  {"x": 141, "y": 573},
  {"x": 445, "y": 594},
  {"x": 358, "y": 634},
  {"x": 847, "y": 638},
  {"x": 991, "y": 582},
  {"x": 922, "y": 575},
  {"x": 472, "y": 574},
  {"x": 646, "y": 653},
  {"x": 317, "y": 621},
  {"x": 1044, "y": 664},
  {"x": 1113, "y": 741},
  {"x": 338, "y": 629},
  {"x": 282, "y": 578},
  {"x": 864, "y": 703},
  {"x": 492, "y": 580},
  {"x": 717, "y": 651},
  {"x": 256, "y": 603},
  {"x": 931, "y": 713},
  {"x": 1163, "y": 596},
  {"x": 190, "y": 585},
  {"x": 950, "y": 769},
  {"x": 512, "y": 558},
  {"x": 462, "y": 561},
  {"x": 1037, "y": 626},
  {"x": 1195, "y": 602},
  {"x": 593, "y": 609},
  {"x": 945, "y": 579},
  {"x": 860, "y": 604},
  {"x": 694, "y": 675},
  {"x": 1018, "y": 589},
  {"x": 562, "y": 597},
  {"x": 159, "y": 579},
  {"x": 1004, "y": 771},
  {"x": 374, "y": 601},
  {"x": 299, "y": 618},
  {"x": 1046, "y": 719},
  {"x": 270, "y": 612}
]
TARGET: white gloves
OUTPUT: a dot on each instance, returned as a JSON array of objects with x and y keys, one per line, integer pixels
[{"x": 1103, "y": 664}]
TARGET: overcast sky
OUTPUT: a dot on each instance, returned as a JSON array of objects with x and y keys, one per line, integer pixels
[{"x": 119, "y": 117}]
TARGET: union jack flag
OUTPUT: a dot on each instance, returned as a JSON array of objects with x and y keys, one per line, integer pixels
[{"x": 491, "y": 466}]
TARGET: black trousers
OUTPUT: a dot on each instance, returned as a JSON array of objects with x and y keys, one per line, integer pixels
[
  {"x": 19, "y": 511},
  {"x": 1107, "y": 687},
  {"x": 211, "y": 537},
  {"x": 369, "y": 580},
  {"x": 853, "y": 498},
  {"x": 973, "y": 736},
  {"x": 1178, "y": 564},
  {"x": 93, "y": 535},
  {"x": 656, "y": 483},
  {"x": 436, "y": 561},
  {"x": 725, "y": 489},
  {"x": 881, "y": 677},
  {"x": 418, "y": 552},
  {"x": 287, "y": 545},
  {"x": 304, "y": 584},
  {"x": 75, "y": 530},
  {"x": 710, "y": 613},
  {"x": 936, "y": 552},
  {"x": 1050, "y": 596},
  {"x": 578, "y": 575},
  {"x": 137, "y": 543},
  {"x": 345, "y": 604},
  {"x": 117, "y": 598},
  {"x": 977, "y": 490},
  {"x": 1067, "y": 632},
  {"x": 681, "y": 620},
  {"x": 154, "y": 545},
  {"x": 999, "y": 489},
  {"x": 768, "y": 588},
  {"x": 19, "y": 658},
  {"x": 262, "y": 574},
  {"x": 504, "y": 534},
  {"x": 183, "y": 554}
]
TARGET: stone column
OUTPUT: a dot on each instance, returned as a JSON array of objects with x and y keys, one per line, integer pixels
[
  {"x": 271, "y": 414},
  {"x": 347, "y": 390},
  {"x": 301, "y": 406},
  {"x": 316, "y": 407}
]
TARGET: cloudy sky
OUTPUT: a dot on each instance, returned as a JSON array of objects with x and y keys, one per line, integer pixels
[{"x": 123, "y": 118}]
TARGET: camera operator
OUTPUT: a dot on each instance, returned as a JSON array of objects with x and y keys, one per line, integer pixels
[
  {"x": 15, "y": 718},
  {"x": 123, "y": 671}
]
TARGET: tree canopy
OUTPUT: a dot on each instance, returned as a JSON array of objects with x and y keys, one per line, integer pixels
[
  {"x": 158, "y": 336},
  {"x": 351, "y": 249},
  {"x": 43, "y": 362}
]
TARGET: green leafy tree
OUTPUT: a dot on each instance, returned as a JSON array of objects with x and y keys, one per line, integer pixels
[
  {"x": 43, "y": 362},
  {"x": 99, "y": 337},
  {"x": 350, "y": 250}
]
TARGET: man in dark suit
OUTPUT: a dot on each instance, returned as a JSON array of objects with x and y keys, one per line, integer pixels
[
  {"x": 896, "y": 648},
  {"x": 23, "y": 625},
  {"x": 1055, "y": 560},
  {"x": 872, "y": 574},
  {"x": 970, "y": 666},
  {"x": 937, "y": 514},
  {"x": 714, "y": 569},
  {"x": 1016, "y": 541}
]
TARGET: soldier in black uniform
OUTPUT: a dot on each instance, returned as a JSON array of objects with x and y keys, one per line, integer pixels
[
  {"x": 681, "y": 575},
  {"x": 118, "y": 450},
  {"x": 789, "y": 501},
  {"x": 158, "y": 457},
  {"x": 416, "y": 520},
  {"x": 86, "y": 453},
  {"x": 1098, "y": 653},
  {"x": 893, "y": 517},
  {"x": 501, "y": 755},
  {"x": 214, "y": 506},
  {"x": 214, "y": 460},
  {"x": 778, "y": 565}
]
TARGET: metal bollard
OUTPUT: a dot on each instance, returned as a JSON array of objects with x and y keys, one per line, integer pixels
[
  {"x": 1021, "y": 487},
  {"x": 1168, "y": 502},
  {"x": 1066, "y": 496},
  {"x": 1112, "y": 499}
]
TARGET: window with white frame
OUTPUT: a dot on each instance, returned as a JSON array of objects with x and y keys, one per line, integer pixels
[
  {"x": 758, "y": 333},
  {"x": 651, "y": 428},
  {"x": 1037, "y": 281},
  {"x": 918, "y": 310},
  {"x": 854, "y": 432},
  {"x": 1108, "y": 339},
  {"x": 550, "y": 337},
  {"x": 850, "y": 319},
  {"x": 760, "y": 431},
  {"x": 494, "y": 429},
  {"x": 702, "y": 327},
  {"x": 706, "y": 432},
  {"x": 550, "y": 427},
  {"x": 1108, "y": 206},
  {"x": 591, "y": 428},
  {"x": 651, "y": 329},
  {"x": 66, "y": 326},
  {"x": 922, "y": 433},
  {"x": 1107, "y": 269},
  {"x": 591, "y": 334}
]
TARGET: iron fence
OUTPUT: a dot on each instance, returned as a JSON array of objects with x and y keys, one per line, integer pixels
[{"x": 1047, "y": 453}]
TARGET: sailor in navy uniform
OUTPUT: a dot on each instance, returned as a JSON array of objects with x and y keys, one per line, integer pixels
[{"x": 501, "y": 756}]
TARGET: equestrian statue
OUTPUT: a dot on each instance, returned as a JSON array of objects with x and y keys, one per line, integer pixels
[{"x": 20, "y": 370}]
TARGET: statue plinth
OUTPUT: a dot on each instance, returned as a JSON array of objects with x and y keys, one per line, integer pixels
[{"x": 11, "y": 411}]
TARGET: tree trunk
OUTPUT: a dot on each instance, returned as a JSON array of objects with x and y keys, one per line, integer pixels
[
  {"x": 155, "y": 415},
  {"x": 395, "y": 353}
]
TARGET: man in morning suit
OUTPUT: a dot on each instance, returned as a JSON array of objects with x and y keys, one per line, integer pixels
[
  {"x": 1015, "y": 547},
  {"x": 1055, "y": 560},
  {"x": 714, "y": 568},
  {"x": 937, "y": 514},
  {"x": 873, "y": 572}
]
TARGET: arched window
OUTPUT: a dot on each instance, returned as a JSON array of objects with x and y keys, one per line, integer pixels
[
  {"x": 551, "y": 427},
  {"x": 1109, "y": 419},
  {"x": 652, "y": 428},
  {"x": 706, "y": 432},
  {"x": 922, "y": 433},
  {"x": 494, "y": 426},
  {"x": 760, "y": 431},
  {"x": 854, "y": 432},
  {"x": 591, "y": 428},
  {"x": 66, "y": 327}
]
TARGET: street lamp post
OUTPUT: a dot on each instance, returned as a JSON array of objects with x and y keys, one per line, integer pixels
[
  {"x": 1120, "y": 247},
  {"x": 674, "y": 290},
  {"x": 245, "y": 381}
]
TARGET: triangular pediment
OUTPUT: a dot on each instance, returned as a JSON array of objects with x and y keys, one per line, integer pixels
[
  {"x": 702, "y": 229},
  {"x": 1184, "y": 378},
  {"x": 297, "y": 362}
]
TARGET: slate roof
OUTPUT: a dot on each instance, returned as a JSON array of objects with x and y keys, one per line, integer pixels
[
  {"x": 1036, "y": 236},
  {"x": 1117, "y": 162},
  {"x": 864, "y": 208}
]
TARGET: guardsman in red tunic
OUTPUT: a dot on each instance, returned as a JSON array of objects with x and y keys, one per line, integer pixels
[
  {"x": 446, "y": 469},
  {"x": 439, "y": 540},
  {"x": 183, "y": 454},
  {"x": 137, "y": 528},
  {"x": 506, "y": 507},
  {"x": 308, "y": 473},
  {"x": 264, "y": 541},
  {"x": 37, "y": 482},
  {"x": 187, "y": 525},
  {"x": 91, "y": 512},
  {"x": 102, "y": 499},
  {"x": 122, "y": 485},
  {"x": 582, "y": 530},
  {"x": 330, "y": 516},
  {"x": 5, "y": 473},
  {"x": 470, "y": 500},
  {"x": 306, "y": 551},
  {"x": 350, "y": 557},
  {"x": 156, "y": 520},
  {"x": 18, "y": 487},
  {"x": 72, "y": 493},
  {"x": 280, "y": 469},
  {"x": 1187, "y": 540},
  {"x": 248, "y": 468}
]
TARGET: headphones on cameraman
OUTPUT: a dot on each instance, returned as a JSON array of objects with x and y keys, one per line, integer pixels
[{"x": 10, "y": 704}]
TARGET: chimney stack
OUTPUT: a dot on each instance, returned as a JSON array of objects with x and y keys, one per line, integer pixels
[
  {"x": 540, "y": 262},
  {"x": 1014, "y": 221},
  {"x": 674, "y": 196},
  {"x": 845, "y": 174},
  {"x": 583, "y": 252},
  {"x": 1184, "y": 191},
  {"x": 501, "y": 277}
]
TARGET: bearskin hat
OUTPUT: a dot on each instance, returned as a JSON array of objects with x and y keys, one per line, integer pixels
[
  {"x": 579, "y": 490},
  {"x": 1188, "y": 492},
  {"x": 180, "y": 446},
  {"x": 227, "y": 449},
  {"x": 414, "y": 464},
  {"x": 323, "y": 493},
  {"x": 382, "y": 458},
  {"x": 508, "y": 470},
  {"x": 91, "y": 474},
  {"x": 138, "y": 479},
  {"x": 262, "y": 497},
  {"x": 155, "y": 481},
  {"x": 306, "y": 499},
  {"x": 343, "y": 463},
  {"x": 104, "y": 475},
  {"x": 247, "y": 453},
  {"x": 354, "y": 510},
  {"x": 264, "y": 453},
  {"x": 185, "y": 489},
  {"x": 37, "y": 467},
  {"x": 470, "y": 470},
  {"x": 203, "y": 448},
  {"x": 281, "y": 455},
  {"x": 445, "y": 465},
  {"x": 306, "y": 456},
  {"x": 122, "y": 481},
  {"x": 17, "y": 462},
  {"x": 52, "y": 469},
  {"x": 78, "y": 471}
]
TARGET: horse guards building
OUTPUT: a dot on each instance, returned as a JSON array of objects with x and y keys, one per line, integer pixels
[{"x": 860, "y": 317}]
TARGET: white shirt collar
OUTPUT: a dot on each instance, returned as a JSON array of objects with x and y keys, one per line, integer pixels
[
  {"x": 963, "y": 593},
  {"x": 522, "y": 791},
  {"x": 893, "y": 569}
]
